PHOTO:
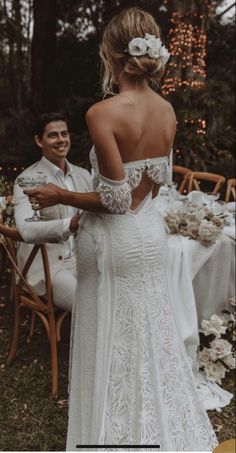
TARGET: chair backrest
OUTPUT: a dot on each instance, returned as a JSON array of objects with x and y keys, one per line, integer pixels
[
  {"x": 185, "y": 176},
  {"x": 22, "y": 289},
  {"x": 230, "y": 191},
  {"x": 197, "y": 176}
]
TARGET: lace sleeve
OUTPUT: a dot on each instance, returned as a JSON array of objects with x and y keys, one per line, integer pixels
[
  {"x": 114, "y": 195},
  {"x": 158, "y": 173}
]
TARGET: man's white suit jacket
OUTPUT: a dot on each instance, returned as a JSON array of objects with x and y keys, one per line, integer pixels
[{"x": 49, "y": 231}]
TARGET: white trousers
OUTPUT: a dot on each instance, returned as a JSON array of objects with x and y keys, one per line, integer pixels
[{"x": 64, "y": 284}]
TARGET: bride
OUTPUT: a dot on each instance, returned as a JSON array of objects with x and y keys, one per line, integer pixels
[{"x": 130, "y": 379}]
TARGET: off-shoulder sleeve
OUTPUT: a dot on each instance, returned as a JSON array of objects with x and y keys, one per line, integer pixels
[{"x": 114, "y": 195}]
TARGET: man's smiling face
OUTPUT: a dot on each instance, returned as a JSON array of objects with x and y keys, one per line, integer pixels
[{"x": 55, "y": 142}]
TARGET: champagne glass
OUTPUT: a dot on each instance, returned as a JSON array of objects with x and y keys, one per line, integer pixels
[
  {"x": 172, "y": 192},
  {"x": 211, "y": 197},
  {"x": 30, "y": 182}
]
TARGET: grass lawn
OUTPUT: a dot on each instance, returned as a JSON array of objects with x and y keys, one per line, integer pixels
[{"x": 29, "y": 419}]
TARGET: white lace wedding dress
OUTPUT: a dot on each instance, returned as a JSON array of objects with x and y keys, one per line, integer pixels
[{"x": 130, "y": 379}]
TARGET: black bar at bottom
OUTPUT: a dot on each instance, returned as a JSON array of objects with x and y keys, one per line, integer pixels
[{"x": 117, "y": 446}]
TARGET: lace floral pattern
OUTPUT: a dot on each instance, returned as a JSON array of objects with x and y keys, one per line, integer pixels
[
  {"x": 131, "y": 381},
  {"x": 133, "y": 176},
  {"x": 150, "y": 394},
  {"x": 117, "y": 199},
  {"x": 156, "y": 171}
]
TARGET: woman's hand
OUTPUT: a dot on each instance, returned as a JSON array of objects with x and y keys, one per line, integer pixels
[{"x": 45, "y": 196}]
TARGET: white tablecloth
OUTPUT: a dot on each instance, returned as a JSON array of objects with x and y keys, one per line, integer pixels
[{"x": 200, "y": 281}]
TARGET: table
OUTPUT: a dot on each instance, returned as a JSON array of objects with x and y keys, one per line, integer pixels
[{"x": 201, "y": 279}]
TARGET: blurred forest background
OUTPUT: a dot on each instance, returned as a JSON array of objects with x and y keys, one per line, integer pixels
[{"x": 49, "y": 61}]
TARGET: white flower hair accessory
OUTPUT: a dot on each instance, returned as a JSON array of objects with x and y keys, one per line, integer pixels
[{"x": 149, "y": 45}]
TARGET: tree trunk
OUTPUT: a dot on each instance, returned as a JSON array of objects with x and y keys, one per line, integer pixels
[
  {"x": 10, "y": 60},
  {"x": 43, "y": 57},
  {"x": 187, "y": 45},
  {"x": 19, "y": 58}
]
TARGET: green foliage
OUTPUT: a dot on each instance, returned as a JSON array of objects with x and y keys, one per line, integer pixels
[
  {"x": 5, "y": 187},
  {"x": 80, "y": 24},
  {"x": 215, "y": 104},
  {"x": 6, "y": 206},
  {"x": 16, "y": 138}
]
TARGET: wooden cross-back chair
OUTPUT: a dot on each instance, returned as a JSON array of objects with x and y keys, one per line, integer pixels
[
  {"x": 185, "y": 174},
  {"x": 197, "y": 176},
  {"x": 230, "y": 191},
  {"x": 25, "y": 296}
]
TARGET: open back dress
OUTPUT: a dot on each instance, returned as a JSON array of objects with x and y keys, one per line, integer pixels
[{"x": 130, "y": 379}]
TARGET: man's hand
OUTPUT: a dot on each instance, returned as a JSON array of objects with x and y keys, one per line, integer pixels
[{"x": 74, "y": 223}]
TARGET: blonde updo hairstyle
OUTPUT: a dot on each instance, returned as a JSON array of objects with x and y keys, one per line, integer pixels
[{"x": 130, "y": 23}]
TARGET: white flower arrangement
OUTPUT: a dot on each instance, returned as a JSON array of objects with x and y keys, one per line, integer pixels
[
  {"x": 149, "y": 45},
  {"x": 6, "y": 206},
  {"x": 3, "y": 203},
  {"x": 196, "y": 222},
  {"x": 217, "y": 344}
]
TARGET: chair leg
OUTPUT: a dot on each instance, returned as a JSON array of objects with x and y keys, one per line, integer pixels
[
  {"x": 59, "y": 323},
  {"x": 32, "y": 325},
  {"x": 16, "y": 333},
  {"x": 12, "y": 287},
  {"x": 233, "y": 193},
  {"x": 54, "y": 357},
  {"x": 227, "y": 196},
  {"x": 3, "y": 256}
]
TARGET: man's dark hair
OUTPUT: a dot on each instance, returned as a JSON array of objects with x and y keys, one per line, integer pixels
[{"x": 46, "y": 118}]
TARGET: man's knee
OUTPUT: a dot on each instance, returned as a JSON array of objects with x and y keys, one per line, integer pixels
[{"x": 64, "y": 288}]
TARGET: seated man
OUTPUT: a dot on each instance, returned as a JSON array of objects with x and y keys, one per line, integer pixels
[{"x": 61, "y": 222}]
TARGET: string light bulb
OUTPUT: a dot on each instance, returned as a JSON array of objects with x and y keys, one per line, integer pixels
[{"x": 187, "y": 46}]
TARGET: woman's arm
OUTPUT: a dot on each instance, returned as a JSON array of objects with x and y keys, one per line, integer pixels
[{"x": 51, "y": 195}]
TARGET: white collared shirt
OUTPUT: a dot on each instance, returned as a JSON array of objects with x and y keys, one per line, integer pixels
[{"x": 64, "y": 181}]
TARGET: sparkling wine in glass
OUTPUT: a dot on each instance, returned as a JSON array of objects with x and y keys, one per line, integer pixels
[
  {"x": 211, "y": 197},
  {"x": 172, "y": 192},
  {"x": 30, "y": 182}
]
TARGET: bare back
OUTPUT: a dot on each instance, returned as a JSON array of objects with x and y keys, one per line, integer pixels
[
  {"x": 146, "y": 127},
  {"x": 134, "y": 126}
]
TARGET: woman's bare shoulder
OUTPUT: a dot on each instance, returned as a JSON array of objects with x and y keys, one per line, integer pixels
[
  {"x": 164, "y": 103},
  {"x": 102, "y": 108}
]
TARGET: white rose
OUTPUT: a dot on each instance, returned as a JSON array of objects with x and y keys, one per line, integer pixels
[
  {"x": 219, "y": 223},
  {"x": 208, "y": 212},
  {"x": 165, "y": 54},
  {"x": 193, "y": 229},
  {"x": 215, "y": 371},
  {"x": 173, "y": 221},
  {"x": 3, "y": 203},
  {"x": 204, "y": 356},
  {"x": 232, "y": 301},
  {"x": 219, "y": 349},
  {"x": 192, "y": 216},
  {"x": 207, "y": 233},
  {"x": 148, "y": 36},
  {"x": 200, "y": 215},
  {"x": 214, "y": 326},
  {"x": 137, "y": 47},
  {"x": 233, "y": 319},
  {"x": 230, "y": 361},
  {"x": 218, "y": 319},
  {"x": 154, "y": 47}
]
